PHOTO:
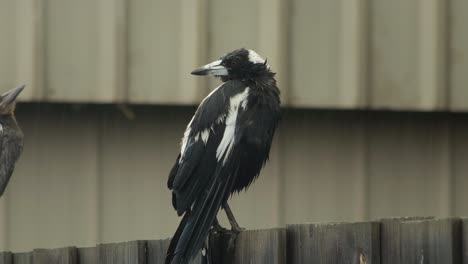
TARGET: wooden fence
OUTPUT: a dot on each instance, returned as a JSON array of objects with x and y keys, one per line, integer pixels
[{"x": 399, "y": 240}]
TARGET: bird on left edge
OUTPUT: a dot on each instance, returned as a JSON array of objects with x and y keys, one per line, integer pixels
[{"x": 11, "y": 136}]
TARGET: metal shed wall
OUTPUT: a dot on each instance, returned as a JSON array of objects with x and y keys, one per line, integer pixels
[
  {"x": 90, "y": 175},
  {"x": 328, "y": 54}
]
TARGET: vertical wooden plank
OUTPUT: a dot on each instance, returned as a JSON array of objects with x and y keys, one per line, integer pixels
[
  {"x": 458, "y": 47},
  {"x": 464, "y": 235},
  {"x": 352, "y": 72},
  {"x": 433, "y": 89},
  {"x": 431, "y": 241},
  {"x": 334, "y": 243},
  {"x": 55, "y": 256},
  {"x": 133, "y": 252},
  {"x": 23, "y": 258},
  {"x": 6, "y": 258},
  {"x": 112, "y": 51},
  {"x": 257, "y": 246},
  {"x": 88, "y": 255},
  {"x": 390, "y": 238},
  {"x": 30, "y": 48},
  {"x": 156, "y": 252}
]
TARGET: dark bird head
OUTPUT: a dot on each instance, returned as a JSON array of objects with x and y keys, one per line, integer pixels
[
  {"x": 11, "y": 137},
  {"x": 8, "y": 101},
  {"x": 241, "y": 64}
]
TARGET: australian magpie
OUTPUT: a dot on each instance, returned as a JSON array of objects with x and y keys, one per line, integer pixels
[
  {"x": 224, "y": 147},
  {"x": 11, "y": 137}
]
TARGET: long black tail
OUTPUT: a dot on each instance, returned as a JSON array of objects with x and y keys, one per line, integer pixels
[
  {"x": 195, "y": 225},
  {"x": 175, "y": 239}
]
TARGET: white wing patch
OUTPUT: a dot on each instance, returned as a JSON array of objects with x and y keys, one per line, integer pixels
[
  {"x": 225, "y": 146},
  {"x": 204, "y": 134}
]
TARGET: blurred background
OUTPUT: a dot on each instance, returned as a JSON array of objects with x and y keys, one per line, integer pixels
[{"x": 375, "y": 117}]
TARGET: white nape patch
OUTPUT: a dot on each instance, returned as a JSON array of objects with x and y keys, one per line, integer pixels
[
  {"x": 1, "y": 128},
  {"x": 255, "y": 58},
  {"x": 203, "y": 252},
  {"x": 227, "y": 141}
]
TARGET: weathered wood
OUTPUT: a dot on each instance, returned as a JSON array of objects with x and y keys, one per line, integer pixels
[
  {"x": 23, "y": 258},
  {"x": 55, "y": 256},
  {"x": 6, "y": 258},
  {"x": 464, "y": 233},
  {"x": 390, "y": 237},
  {"x": 123, "y": 253},
  {"x": 257, "y": 246},
  {"x": 334, "y": 243},
  {"x": 156, "y": 250},
  {"x": 431, "y": 241},
  {"x": 89, "y": 255}
]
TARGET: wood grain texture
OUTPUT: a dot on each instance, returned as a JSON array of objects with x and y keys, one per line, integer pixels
[
  {"x": 431, "y": 241},
  {"x": 465, "y": 240},
  {"x": 55, "y": 256},
  {"x": 334, "y": 243},
  {"x": 23, "y": 258},
  {"x": 6, "y": 258},
  {"x": 390, "y": 237},
  {"x": 88, "y": 255},
  {"x": 133, "y": 252},
  {"x": 257, "y": 246}
]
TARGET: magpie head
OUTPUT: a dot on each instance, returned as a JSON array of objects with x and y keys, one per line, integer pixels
[
  {"x": 239, "y": 64},
  {"x": 8, "y": 101}
]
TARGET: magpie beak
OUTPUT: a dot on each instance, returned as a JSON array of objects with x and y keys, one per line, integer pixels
[
  {"x": 9, "y": 97},
  {"x": 214, "y": 68}
]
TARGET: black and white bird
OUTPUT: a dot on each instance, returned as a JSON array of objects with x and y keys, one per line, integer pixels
[
  {"x": 11, "y": 137},
  {"x": 224, "y": 147}
]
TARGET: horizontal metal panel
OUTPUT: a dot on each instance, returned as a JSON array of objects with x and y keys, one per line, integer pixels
[
  {"x": 328, "y": 54},
  {"x": 458, "y": 68}
]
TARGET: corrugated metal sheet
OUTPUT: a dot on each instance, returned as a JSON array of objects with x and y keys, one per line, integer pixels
[
  {"x": 89, "y": 175},
  {"x": 332, "y": 54}
]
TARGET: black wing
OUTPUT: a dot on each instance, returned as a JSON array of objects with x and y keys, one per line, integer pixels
[
  {"x": 11, "y": 145},
  {"x": 196, "y": 163}
]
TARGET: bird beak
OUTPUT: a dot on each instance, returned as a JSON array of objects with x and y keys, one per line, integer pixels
[
  {"x": 214, "y": 68},
  {"x": 7, "y": 99}
]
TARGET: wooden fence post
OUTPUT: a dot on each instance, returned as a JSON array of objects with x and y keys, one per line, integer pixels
[
  {"x": 133, "y": 252},
  {"x": 55, "y": 256},
  {"x": 6, "y": 258},
  {"x": 465, "y": 240},
  {"x": 423, "y": 241},
  {"x": 257, "y": 246},
  {"x": 23, "y": 258},
  {"x": 354, "y": 243},
  {"x": 390, "y": 237}
]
